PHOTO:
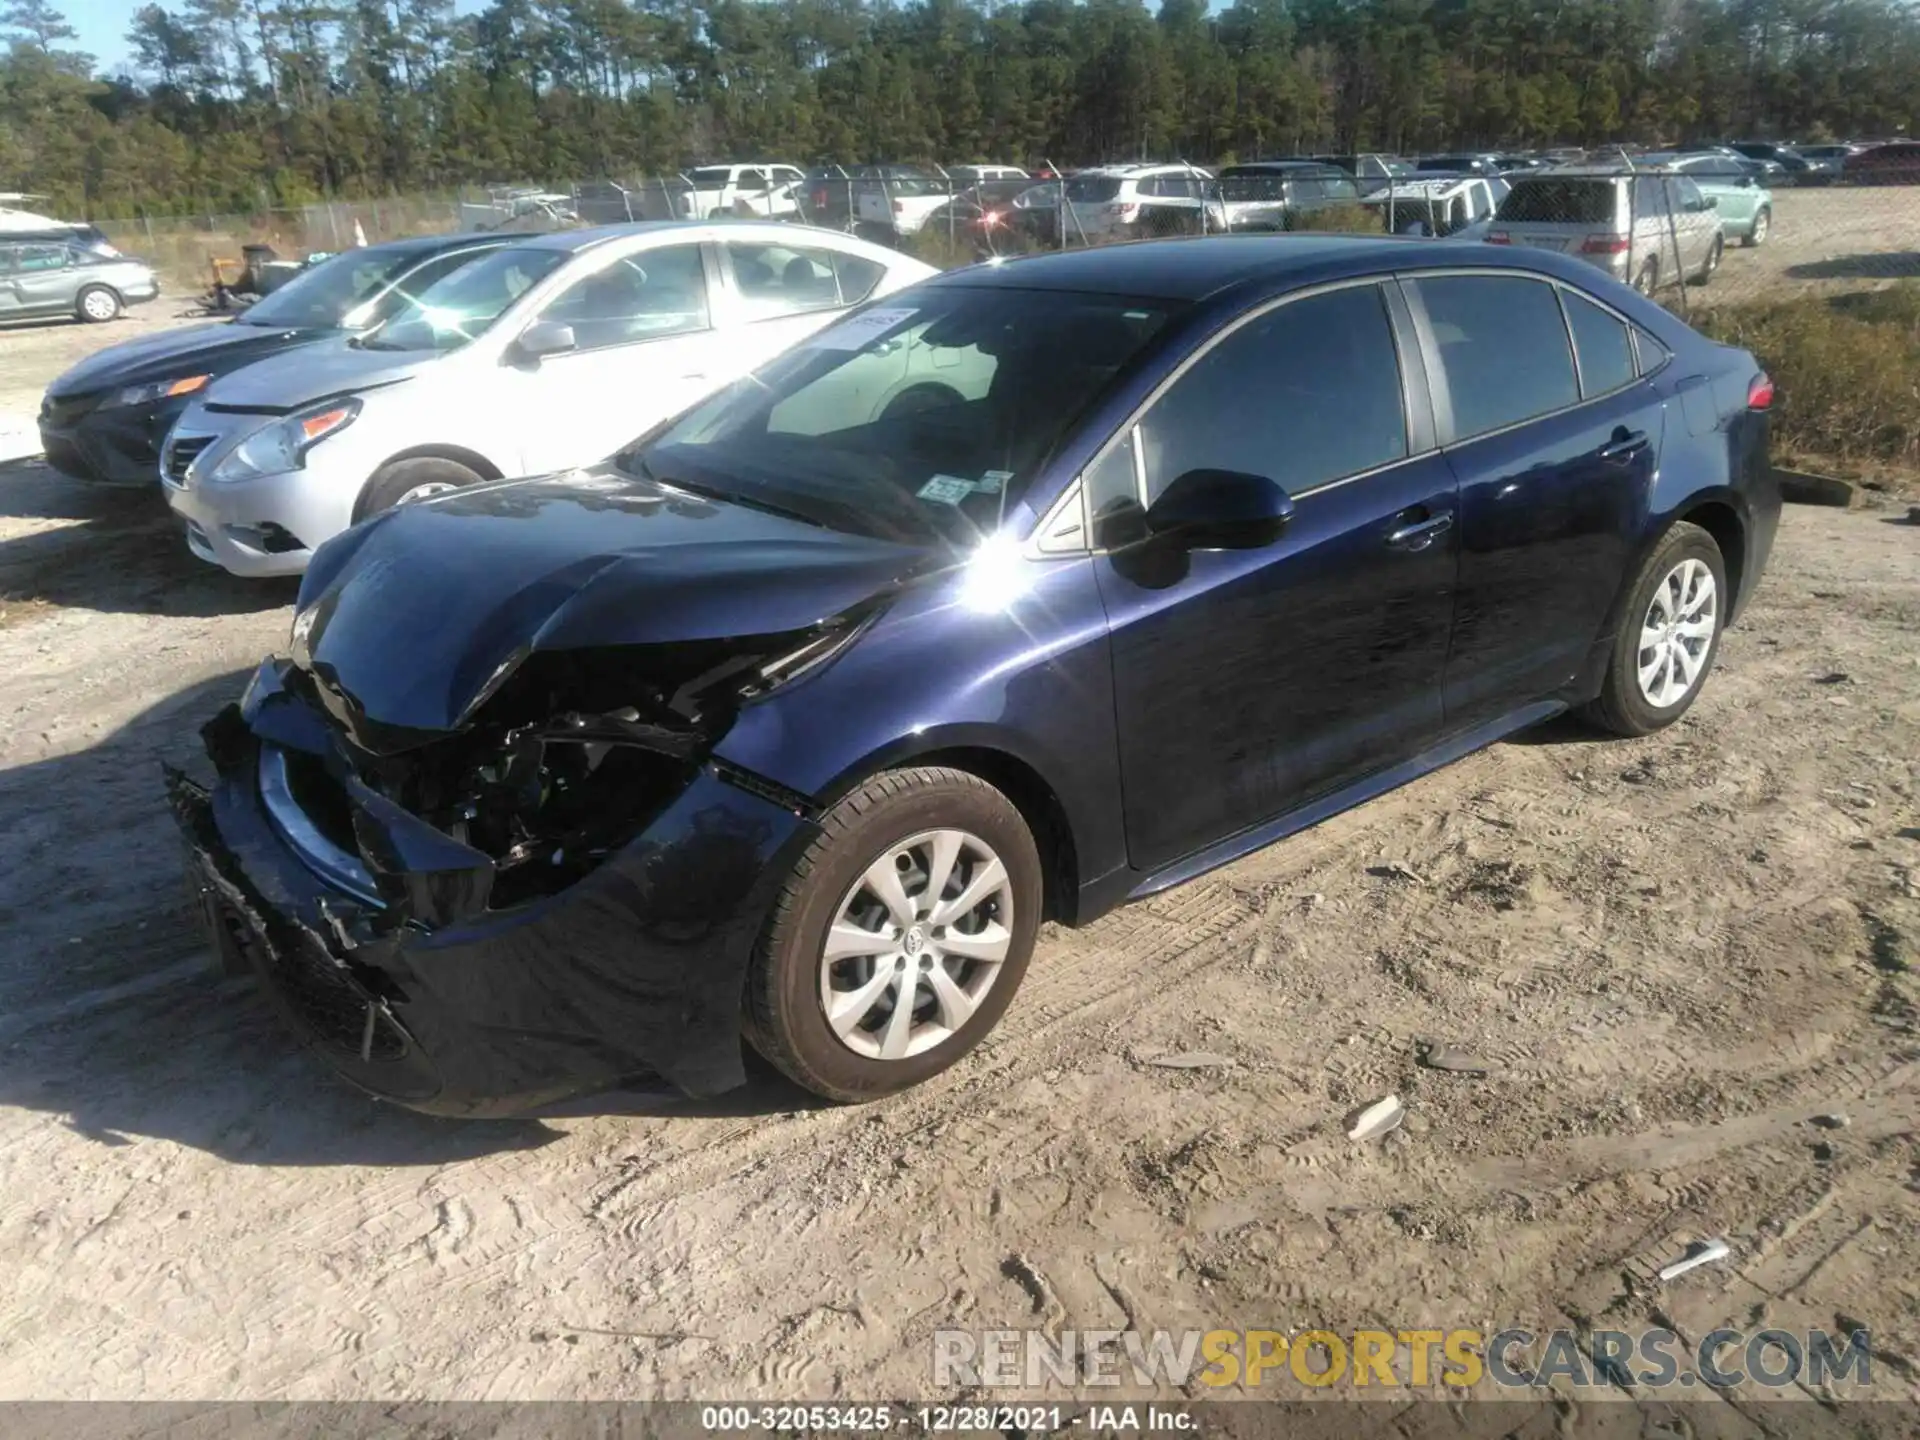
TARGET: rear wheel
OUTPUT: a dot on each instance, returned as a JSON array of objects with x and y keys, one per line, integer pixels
[
  {"x": 405, "y": 481},
  {"x": 97, "y": 304},
  {"x": 899, "y": 939},
  {"x": 1668, "y": 637},
  {"x": 1762, "y": 222},
  {"x": 1648, "y": 280}
]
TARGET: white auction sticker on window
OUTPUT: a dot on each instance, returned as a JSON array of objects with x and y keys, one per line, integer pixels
[
  {"x": 869, "y": 325},
  {"x": 993, "y": 482},
  {"x": 946, "y": 489}
]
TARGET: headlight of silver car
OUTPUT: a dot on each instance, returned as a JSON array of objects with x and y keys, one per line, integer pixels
[
  {"x": 161, "y": 390},
  {"x": 282, "y": 445}
]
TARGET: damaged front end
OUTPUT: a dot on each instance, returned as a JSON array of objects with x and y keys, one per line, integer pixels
[{"x": 559, "y": 893}]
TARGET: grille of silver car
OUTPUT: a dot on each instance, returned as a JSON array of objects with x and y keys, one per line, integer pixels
[{"x": 180, "y": 453}]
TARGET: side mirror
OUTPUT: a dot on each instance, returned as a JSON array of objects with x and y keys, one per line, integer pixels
[
  {"x": 544, "y": 337},
  {"x": 1220, "y": 510},
  {"x": 1710, "y": 202}
]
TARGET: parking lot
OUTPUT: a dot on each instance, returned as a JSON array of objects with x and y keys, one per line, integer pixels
[{"x": 1669, "y": 955}]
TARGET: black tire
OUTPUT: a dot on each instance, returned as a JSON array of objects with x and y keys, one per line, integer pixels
[
  {"x": 1762, "y": 227},
  {"x": 783, "y": 1016},
  {"x": 1648, "y": 280},
  {"x": 1714, "y": 257},
  {"x": 919, "y": 398},
  {"x": 392, "y": 482},
  {"x": 97, "y": 304},
  {"x": 1621, "y": 706}
]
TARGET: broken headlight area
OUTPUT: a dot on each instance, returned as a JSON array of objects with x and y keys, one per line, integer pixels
[{"x": 568, "y": 760}]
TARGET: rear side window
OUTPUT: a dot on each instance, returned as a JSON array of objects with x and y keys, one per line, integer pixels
[
  {"x": 1307, "y": 393},
  {"x": 775, "y": 280},
  {"x": 1602, "y": 343},
  {"x": 1091, "y": 189},
  {"x": 1503, "y": 346},
  {"x": 1559, "y": 202}
]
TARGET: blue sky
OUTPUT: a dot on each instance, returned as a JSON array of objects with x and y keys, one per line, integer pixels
[{"x": 102, "y": 25}]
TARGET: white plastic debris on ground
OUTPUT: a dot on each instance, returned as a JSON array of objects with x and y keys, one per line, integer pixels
[{"x": 19, "y": 437}]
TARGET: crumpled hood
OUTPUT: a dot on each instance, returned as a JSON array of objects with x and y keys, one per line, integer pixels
[
  {"x": 412, "y": 618},
  {"x": 329, "y": 367},
  {"x": 191, "y": 350}
]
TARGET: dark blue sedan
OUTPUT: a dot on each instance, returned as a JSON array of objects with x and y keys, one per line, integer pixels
[{"x": 1032, "y": 590}]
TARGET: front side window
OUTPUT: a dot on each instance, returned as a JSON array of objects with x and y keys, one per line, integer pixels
[
  {"x": 775, "y": 280},
  {"x": 455, "y": 311},
  {"x": 917, "y": 420},
  {"x": 1503, "y": 347},
  {"x": 1603, "y": 344},
  {"x": 643, "y": 296},
  {"x": 1307, "y": 393}
]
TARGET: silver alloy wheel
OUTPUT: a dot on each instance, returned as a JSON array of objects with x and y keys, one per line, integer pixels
[
  {"x": 425, "y": 492},
  {"x": 1759, "y": 229},
  {"x": 1677, "y": 633},
  {"x": 916, "y": 944},
  {"x": 99, "y": 305}
]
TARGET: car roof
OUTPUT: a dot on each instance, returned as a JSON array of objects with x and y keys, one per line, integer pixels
[
  {"x": 434, "y": 244},
  {"x": 1198, "y": 269},
  {"x": 1441, "y": 187},
  {"x": 576, "y": 241},
  {"x": 1288, "y": 164}
]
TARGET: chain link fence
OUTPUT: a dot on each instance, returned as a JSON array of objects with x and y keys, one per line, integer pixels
[{"x": 1690, "y": 236}]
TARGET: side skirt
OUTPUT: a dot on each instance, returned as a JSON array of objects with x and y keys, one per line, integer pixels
[{"x": 1358, "y": 793}]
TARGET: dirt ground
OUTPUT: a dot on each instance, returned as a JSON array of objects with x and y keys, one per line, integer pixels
[{"x": 1671, "y": 954}]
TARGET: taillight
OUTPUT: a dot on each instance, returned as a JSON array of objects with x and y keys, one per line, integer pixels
[
  {"x": 820, "y": 198},
  {"x": 899, "y": 207},
  {"x": 1122, "y": 211},
  {"x": 1760, "y": 392},
  {"x": 1605, "y": 245},
  {"x": 1499, "y": 237}
]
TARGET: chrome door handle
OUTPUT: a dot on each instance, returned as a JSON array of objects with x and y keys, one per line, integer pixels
[
  {"x": 1421, "y": 533},
  {"x": 1624, "y": 446}
]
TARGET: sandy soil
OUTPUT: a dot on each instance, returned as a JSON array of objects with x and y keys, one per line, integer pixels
[{"x": 1671, "y": 954}]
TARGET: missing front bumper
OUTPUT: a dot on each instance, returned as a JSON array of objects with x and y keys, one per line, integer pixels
[{"x": 636, "y": 970}]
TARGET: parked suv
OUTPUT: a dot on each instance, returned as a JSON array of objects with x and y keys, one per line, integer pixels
[
  {"x": 1450, "y": 207},
  {"x": 1744, "y": 204},
  {"x": 1280, "y": 194},
  {"x": 47, "y": 277},
  {"x": 1113, "y": 202},
  {"x": 763, "y": 190},
  {"x": 1649, "y": 230}
]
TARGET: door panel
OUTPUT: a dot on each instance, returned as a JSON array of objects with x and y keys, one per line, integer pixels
[
  {"x": 1552, "y": 486},
  {"x": 646, "y": 351},
  {"x": 1249, "y": 681}
]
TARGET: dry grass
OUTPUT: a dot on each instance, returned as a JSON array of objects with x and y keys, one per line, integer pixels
[{"x": 1847, "y": 367}]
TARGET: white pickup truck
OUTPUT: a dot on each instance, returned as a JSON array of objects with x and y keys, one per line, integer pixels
[{"x": 766, "y": 191}]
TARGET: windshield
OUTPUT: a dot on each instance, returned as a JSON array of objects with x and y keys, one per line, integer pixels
[
  {"x": 316, "y": 299},
  {"x": 453, "y": 311},
  {"x": 914, "y": 421}
]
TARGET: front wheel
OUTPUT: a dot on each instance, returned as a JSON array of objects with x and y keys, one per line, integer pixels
[
  {"x": 1668, "y": 636},
  {"x": 97, "y": 304},
  {"x": 899, "y": 939},
  {"x": 405, "y": 481}
]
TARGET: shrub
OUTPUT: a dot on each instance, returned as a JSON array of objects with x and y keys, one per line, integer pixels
[{"x": 1847, "y": 368}]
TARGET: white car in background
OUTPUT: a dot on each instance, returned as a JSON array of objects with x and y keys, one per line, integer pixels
[
  {"x": 548, "y": 353},
  {"x": 1117, "y": 201},
  {"x": 766, "y": 191}
]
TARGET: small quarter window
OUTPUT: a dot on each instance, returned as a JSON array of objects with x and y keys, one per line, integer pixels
[{"x": 1602, "y": 342}]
